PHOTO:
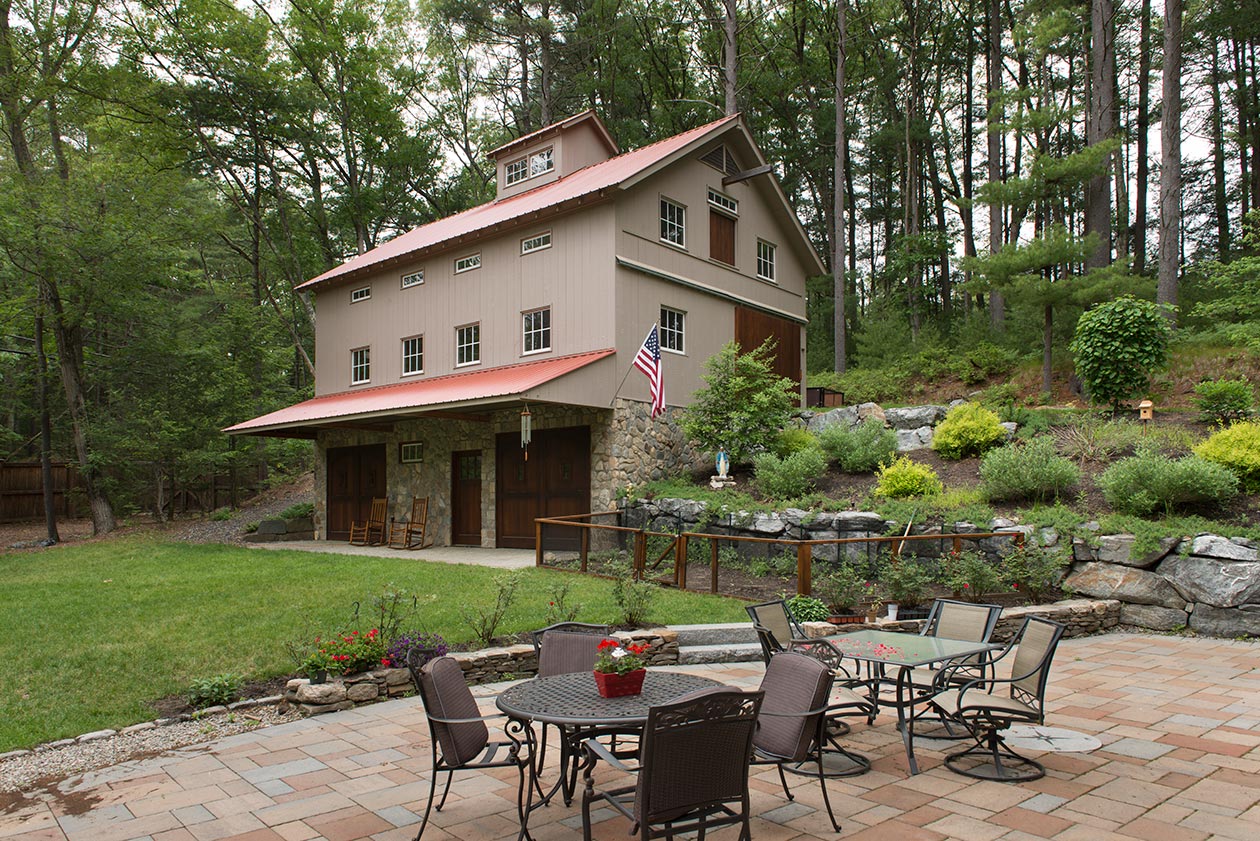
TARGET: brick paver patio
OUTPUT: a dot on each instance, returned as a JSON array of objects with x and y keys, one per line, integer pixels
[{"x": 1179, "y": 720}]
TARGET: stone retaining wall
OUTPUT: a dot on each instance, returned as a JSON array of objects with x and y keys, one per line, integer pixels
[
  {"x": 270, "y": 531},
  {"x": 1082, "y": 617}
]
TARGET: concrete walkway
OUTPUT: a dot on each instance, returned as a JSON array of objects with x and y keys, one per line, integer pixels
[
  {"x": 498, "y": 558},
  {"x": 1179, "y": 722}
]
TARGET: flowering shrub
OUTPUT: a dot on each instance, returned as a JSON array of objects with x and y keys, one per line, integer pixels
[
  {"x": 397, "y": 651},
  {"x": 618, "y": 659},
  {"x": 354, "y": 652}
]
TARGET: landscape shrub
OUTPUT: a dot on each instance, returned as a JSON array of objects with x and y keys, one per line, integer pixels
[
  {"x": 214, "y": 691},
  {"x": 808, "y": 609},
  {"x": 398, "y": 649},
  {"x": 1237, "y": 448},
  {"x": 1116, "y": 347},
  {"x": 861, "y": 449},
  {"x": 905, "y": 477},
  {"x": 221, "y": 515},
  {"x": 981, "y": 361},
  {"x": 743, "y": 404},
  {"x": 1148, "y": 482},
  {"x": 298, "y": 510},
  {"x": 971, "y": 576},
  {"x": 1033, "y": 471},
  {"x": 968, "y": 430},
  {"x": 793, "y": 440},
  {"x": 484, "y": 620},
  {"x": 353, "y": 651},
  {"x": 783, "y": 478},
  {"x": 1224, "y": 401},
  {"x": 633, "y": 596},
  {"x": 841, "y": 588},
  {"x": 1034, "y": 570},
  {"x": 905, "y": 581},
  {"x": 871, "y": 385}
]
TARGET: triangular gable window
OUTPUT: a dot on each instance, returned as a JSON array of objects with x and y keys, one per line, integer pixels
[{"x": 721, "y": 159}]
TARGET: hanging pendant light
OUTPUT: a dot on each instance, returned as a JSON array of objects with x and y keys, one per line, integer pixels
[{"x": 527, "y": 430}]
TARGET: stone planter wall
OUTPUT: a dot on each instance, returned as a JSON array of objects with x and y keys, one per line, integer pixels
[
  {"x": 270, "y": 531},
  {"x": 1081, "y": 616},
  {"x": 489, "y": 665}
]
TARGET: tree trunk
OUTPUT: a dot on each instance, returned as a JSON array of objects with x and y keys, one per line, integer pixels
[
  {"x": 993, "y": 78},
  {"x": 838, "y": 244},
  {"x": 1244, "y": 121},
  {"x": 1143, "y": 139},
  {"x": 1170, "y": 162},
  {"x": 1100, "y": 127},
  {"x": 1220, "y": 199},
  {"x": 45, "y": 429},
  {"x": 1047, "y": 349},
  {"x": 730, "y": 57}
]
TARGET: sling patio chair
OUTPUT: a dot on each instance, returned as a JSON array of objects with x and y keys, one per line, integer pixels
[
  {"x": 956, "y": 620},
  {"x": 361, "y": 533},
  {"x": 792, "y": 726},
  {"x": 693, "y": 767},
  {"x": 562, "y": 649},
  {"x": 776, "y": 627},
  {"x": 988, "y": 706},
  {"x": 413, "y": 532},
  {"x": 459, "y": 737}
]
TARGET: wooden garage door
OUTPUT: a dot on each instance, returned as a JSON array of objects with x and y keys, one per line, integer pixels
[
  {"x": 355, "y": 475},
  {"x": 752, "y": 327},
  {"x": 556, "y": 480}
]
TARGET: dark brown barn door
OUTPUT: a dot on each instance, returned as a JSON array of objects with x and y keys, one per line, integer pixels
[
  {"x": 752, "y": 327},
  {"x": 355, "y": 476},
  {"x": 466, "y": 498},
  {"x": 722, "y": 237},
  {"x": 554, "y": 482}
]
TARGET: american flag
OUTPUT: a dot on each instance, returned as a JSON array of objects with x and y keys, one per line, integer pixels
[{"x": 648, "y": 360}]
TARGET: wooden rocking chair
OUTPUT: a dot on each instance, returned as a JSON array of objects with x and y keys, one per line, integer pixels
[
  {"x": 361, "y": 533},
  {"x": 412, "y": 533}
]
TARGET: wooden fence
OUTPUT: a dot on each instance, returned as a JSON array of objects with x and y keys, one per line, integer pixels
[{"x": 22, "y": 491}]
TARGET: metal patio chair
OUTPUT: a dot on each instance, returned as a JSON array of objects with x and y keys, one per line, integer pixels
[
  {"x": 413, "y": 532},
  {"x": 988, "y": 706},
  {"x": 957, "y": 620},
  {"x": 361, "y": 533},
  {"x": 693, "y": 767},
  {"x": 776, "y": 627}
]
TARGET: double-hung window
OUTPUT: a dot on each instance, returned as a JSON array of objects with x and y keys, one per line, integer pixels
[
  {"x": 672, "y": 329},
  {"x": 468, "y": 344},
  {"x": 536, "y": 330},
  {"x": 673, "y": 223},
  {"x": 413, "y": 355},
  {"x": 765, "y": 260},
  {"x": 360, "y": 365}
]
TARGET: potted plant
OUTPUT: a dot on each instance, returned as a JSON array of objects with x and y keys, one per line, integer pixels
[
  {"x": 907, "y": 583},
  {"x": 808, "y": 609},
  {"x": 842, "y": 589},
  {"x": 316, "y": 666},
  {"x": 620, "y": 669}
]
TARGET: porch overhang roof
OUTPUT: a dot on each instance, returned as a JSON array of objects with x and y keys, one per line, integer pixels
[{"x": 463, "y": 389}]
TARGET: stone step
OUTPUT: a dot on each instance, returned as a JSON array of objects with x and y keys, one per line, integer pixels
[
  {"x": 729, "y": 633},
  {"x": 720, "y": 653}
]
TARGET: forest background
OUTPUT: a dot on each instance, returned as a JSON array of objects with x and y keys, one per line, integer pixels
[{"x": 173, "y": 169}]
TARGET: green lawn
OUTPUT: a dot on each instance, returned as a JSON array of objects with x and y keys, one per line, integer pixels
[{"x": 98, "y": 630}]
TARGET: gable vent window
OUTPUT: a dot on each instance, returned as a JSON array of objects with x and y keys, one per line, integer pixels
[
  {"x": 413, "y": 279},
  {"x": 536, "y": 243},
  {"x": 721, "y": 159},
  {"x": 360, "y": 294},
  {"x": 722, "y": 202},
  {"x": 467, "y": 264}
]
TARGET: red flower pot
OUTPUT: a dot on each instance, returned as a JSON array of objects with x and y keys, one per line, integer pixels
[{"x": 615, "y": 685}]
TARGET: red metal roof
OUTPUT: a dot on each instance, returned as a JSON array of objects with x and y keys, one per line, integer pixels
[
  {"x": 584, "y": 182},
  {"x": 451, "y": 388}
]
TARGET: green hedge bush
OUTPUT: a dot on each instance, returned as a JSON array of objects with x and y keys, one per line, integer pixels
[
  {"x": 1237, "y": 448},
  {"x": 1033, "y": 471},
  {"x": 968, "y": 430},
  {"x": 1148, "y": 482},
  {"x": 793, "y": 476},
  {"x": 861, "y": 449},
  {"x": 905, "y": 478},
  {"x": 793, "y": 440},
  {"x": 1224, "y": 401}
]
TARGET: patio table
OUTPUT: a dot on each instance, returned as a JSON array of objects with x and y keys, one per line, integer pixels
[
  {"x": 573, "y": 701},
  {"x": 881, "y": 649}
]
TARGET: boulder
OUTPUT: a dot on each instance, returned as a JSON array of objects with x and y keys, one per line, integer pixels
[
  {"x": 1010, "y": 427},
  {"x": 846, "y": 416},
  {"x": 913, "y": 417},
  {"x": 914, "y": 439},
  {"x": 299, "y": 526},
  {"x": 1226, "y": 622},
  {"x": 1152, "y": 616},
  {"x": 1136, "y": 586},
  {"x": 1220, "y": 583},
  {"x": 1116, "y": 549},
  {"x": 321, "y": 694},
  {"x": 859, "y": 521},
  {"x": 684, "y": 509},
  {"x": 767, "y": 524},
  {"x": 272, "y": 527},
  {"x": 1082, "y": 551},
  {"x": 871, "y": 410},
  {"x": 361, "y": 692},
  {"x": 1214, "y": 546}
]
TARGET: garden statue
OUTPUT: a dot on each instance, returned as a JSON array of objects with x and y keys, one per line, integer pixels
[{"x": 722, "y": 478}]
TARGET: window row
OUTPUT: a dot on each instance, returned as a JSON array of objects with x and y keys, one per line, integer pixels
[
  {"x": 463, "y": 263},
  {"x": 723, "y": 213},
  {"x": 529, "y": 166}
]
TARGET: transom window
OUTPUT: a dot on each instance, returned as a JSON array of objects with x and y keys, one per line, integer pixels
[
  {"x": 516, "y": 171},
  {"x": 467, "y": 264},
  {"x": 360, "y": 294},
  {"x": 673, "y": 223},
  {"x": 723, "y": 202},
  {"x": 468, "y": 344},
  {"x": 413, "y": 279},
  {"x": 672, "y": 327},
  {"x": 536, "y": 243},
  {"x": 413, "y": 355},
  {"x": 536, "y": 330},
  {"x": 765, "y": 260},
  {"x": 360, "y": 365}
]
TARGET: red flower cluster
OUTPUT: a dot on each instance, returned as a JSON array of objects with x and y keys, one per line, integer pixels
[
  {"x": 615, "y": 658},
  {"x": 355, "y": 652}
]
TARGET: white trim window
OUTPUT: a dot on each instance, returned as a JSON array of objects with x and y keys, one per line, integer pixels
[
  {"x": 536, "y": 330},
  {"x": 765, "y": 260},
  {"x": 542, "y": 162},
  {"x": 539, "y": 242},
  {"x": 468, "y": 345},
  {"x": 412, "y": 355},
  {"x": 411, "y": 279},
  {"x": 723, "y": 202},
  {"x": 363, "y": 293},
  {"x": 672, "y": 330},
  {"x": 468, "y": 263},
  {"x": 516, "y": 171},
  {"x": 360, "y": 365},
  {"x": 673, "y": 223}
]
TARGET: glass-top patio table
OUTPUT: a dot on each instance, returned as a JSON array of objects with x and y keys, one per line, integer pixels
[{"x": 880, "y": 649}]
